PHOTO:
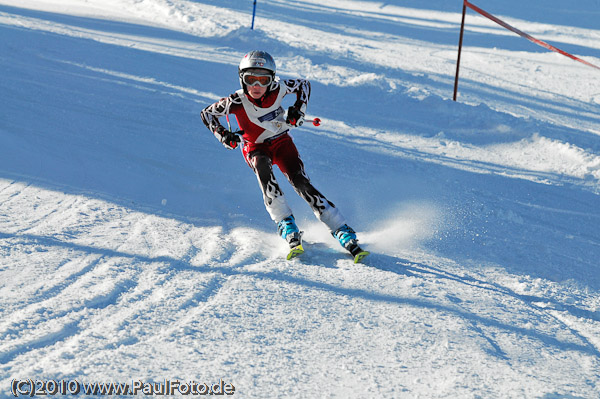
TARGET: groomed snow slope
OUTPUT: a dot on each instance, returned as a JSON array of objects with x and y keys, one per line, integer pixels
[{"x": 134, "y": 247}]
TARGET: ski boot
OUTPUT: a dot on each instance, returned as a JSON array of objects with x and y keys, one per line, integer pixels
[
  {"x": 289, "y": 231},
  {"x": 347, "y": 238}
]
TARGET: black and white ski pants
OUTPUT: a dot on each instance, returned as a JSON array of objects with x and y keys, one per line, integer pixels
[{"x": 282, "y": 151}]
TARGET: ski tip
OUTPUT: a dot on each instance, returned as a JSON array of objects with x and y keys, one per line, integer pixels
[
  {"x": 297, "y": 250},
  {"x": 360, "y": 256}
]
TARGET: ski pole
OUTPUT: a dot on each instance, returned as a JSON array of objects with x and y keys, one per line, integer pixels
[{"x": 316, "y": 122}]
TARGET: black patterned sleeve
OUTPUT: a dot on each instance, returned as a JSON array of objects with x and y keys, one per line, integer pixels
[
  {"x": 211, "y": 114},
  {"x": 299, "y": 86}
]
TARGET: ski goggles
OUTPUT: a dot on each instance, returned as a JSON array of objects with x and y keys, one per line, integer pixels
[{"x": 253, "y": 79}]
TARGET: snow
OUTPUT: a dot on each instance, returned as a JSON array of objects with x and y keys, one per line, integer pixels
[{"x": 134, "y": 247}]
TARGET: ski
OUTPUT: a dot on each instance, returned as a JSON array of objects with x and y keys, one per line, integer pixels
[
  {"x": 299, "y": 250},
  {"x": 295, "y": 251},
  {"x": 360, "y": 256}
]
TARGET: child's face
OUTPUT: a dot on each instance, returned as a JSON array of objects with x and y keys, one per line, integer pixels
[{"x": 256, "y": 91}]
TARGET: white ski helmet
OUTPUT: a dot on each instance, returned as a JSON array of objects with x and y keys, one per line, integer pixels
[{"x": 256, "y": 59}]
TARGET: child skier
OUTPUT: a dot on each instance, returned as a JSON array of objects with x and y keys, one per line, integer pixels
[{"x": 266, "y": 141}]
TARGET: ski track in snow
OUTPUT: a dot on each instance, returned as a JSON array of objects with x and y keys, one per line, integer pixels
[
  {"x": 125, "y": 257},
  {"x": 111, "y": 276}
]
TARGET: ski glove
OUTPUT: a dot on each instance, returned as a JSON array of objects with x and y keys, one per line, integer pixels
[
  {"x": 229, "y": 139},
  {"x": 295, "y": 114}
]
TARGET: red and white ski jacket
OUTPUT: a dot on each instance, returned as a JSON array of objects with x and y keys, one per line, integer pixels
[{"x": 259, "y": 119}]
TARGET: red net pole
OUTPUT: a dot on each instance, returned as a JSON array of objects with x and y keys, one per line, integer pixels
[{"x": 460, "y": 41}]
